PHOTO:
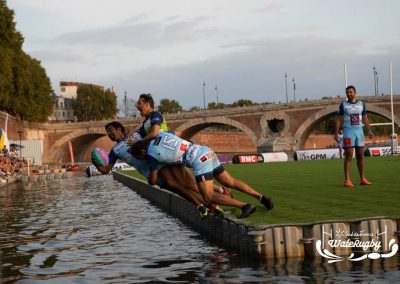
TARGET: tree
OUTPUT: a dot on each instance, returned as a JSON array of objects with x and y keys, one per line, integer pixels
[
  {"x": 195, "y": 108},
  {"x": 93, "y": 103},
  {"x": 214, "y": 105},
  {"x": 25, "y": 89},
  {"x": 243, "y": 102},
  {"x": 169, "y": 106}
]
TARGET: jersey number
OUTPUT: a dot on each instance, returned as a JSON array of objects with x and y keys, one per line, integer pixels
[{"x": 169, "y": 143}]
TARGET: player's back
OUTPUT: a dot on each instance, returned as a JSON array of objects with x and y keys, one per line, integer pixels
[
  {"x": 121, "y": 151},
  {"x": 167, "y": 148}
]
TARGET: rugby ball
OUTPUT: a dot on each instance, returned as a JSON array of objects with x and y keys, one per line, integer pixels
[{"x": 99, "y": 157}]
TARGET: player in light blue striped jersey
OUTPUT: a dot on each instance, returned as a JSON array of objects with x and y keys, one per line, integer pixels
[
  {"x": 353, "y": 113},
  {"x": 170, "y": 149}
]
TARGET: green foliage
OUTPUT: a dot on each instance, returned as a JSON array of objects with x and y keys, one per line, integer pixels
[
  {"x": 9, "y": 37},
  {"x": 195, "y": 108},
  {"x": 326, "y": 127},
  {"x": 169, "y": 106},
  {"x": 243, "y": 102},
  {"x": 214, "y": 105},
  {"x": 25, "y": 89},
  {"x": 92, "y": 103}
]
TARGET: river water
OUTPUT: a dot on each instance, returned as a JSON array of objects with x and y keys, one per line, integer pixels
[{"x": 95, "y": 230}]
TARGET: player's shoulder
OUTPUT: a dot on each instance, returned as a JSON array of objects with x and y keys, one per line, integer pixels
[{"x": 156, "y": 114}]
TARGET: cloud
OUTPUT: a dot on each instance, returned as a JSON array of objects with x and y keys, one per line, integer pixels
[
  {"x": 258, "y": 73},
  {"x": 270, "y": 7},
  {"x": 58, "y": 56},
  {"x": 140, "y": 35}
]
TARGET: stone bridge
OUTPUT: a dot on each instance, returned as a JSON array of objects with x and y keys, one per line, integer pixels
[{"x": 271, "y": 127}]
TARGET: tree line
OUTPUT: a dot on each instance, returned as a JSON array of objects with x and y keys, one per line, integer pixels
[
  {"x": 25, "y": 89},
  {"x": 173, "y": 106}
]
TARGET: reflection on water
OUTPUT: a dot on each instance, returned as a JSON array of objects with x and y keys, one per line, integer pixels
[{"x": 96, "y": 230}]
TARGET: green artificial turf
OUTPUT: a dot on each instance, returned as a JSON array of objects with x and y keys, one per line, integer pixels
[{"x": 312, "y": 191}]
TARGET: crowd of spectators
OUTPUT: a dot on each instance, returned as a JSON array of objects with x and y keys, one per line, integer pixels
[{"x": 10, "y": 164}]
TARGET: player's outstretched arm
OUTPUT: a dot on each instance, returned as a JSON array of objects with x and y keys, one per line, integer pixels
[{"x": 104, "y": 170}]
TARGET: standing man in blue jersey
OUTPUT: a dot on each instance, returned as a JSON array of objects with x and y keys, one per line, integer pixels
[{"x": 353, "y": 113}]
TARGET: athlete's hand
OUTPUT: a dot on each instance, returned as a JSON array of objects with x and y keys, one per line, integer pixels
[
  {"x": 133, "y": 136},
  {"x": 336, "y": 137}
]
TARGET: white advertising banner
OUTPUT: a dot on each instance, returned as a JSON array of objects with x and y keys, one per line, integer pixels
[
  {"x": 317, "y": 154},
  {"x": 275, "y": 157},
  {"x": 378, "y": 151}
]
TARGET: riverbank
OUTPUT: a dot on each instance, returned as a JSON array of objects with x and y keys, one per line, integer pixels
[{"x": 37, "y": 174}]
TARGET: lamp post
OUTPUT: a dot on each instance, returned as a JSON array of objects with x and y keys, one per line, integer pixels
[
  {"x": 216, "y": 92},
  {"x": 204, "y": 95},
  {"x": 20, "y": 146},
  {"x": 294, "y": 90},
  {"x": 125, "y": 105},
  {"x": 287, "y": 98},
  {"x": 375, "y": 80}
]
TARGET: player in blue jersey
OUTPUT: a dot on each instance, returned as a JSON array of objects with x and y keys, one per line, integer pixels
[
  {"x": 172, "y": 178},
  {"x": 170, "y": 149},
  {"x": 154, "y": 121},
  {"x": 353, "y": 113}
]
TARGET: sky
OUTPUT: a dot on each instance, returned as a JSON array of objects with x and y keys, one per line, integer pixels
[{"x": 244, "y": 48}]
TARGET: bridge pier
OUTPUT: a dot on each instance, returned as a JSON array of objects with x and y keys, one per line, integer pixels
[{"x": 277, "y": 144}]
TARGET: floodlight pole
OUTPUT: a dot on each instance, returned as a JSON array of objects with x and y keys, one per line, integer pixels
[
  {"x": 391, "y": 93},
  {"x": 204, "y": 95},
  {"x": 216, "y": 92},
  {"x": 287, "y": 98}
]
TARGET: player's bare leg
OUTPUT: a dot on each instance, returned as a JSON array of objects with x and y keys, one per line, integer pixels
[
  {"x": 360, "y": 165},
  {"x": 226, "y": 179},
  {"x": 349, "y": 152},
  {"x": 206, "y": 189}
]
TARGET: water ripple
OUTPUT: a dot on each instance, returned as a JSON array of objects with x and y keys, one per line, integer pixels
[{"x": 95, "y": 230}]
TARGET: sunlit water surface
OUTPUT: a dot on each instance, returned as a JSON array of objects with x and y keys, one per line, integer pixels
[{"x": 95, "y": 230}]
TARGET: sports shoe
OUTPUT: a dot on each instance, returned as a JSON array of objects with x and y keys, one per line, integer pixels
[
  {"x": 203, "y": 211},
  {"x": 216, "y": 210},
  {"x": 364, "y": 181},
  {"x": 247, "y": 209},
  {"x": 348, "y": 183},
  {"x": 226, "y": 191},
  {"x": 267, "y": 202}
]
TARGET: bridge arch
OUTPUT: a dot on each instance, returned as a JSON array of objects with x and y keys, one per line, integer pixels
[
  {"x": 309, "y": 124},
  {"x": 191, "y": 127},
  {"x": 78, "y": 137}
]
